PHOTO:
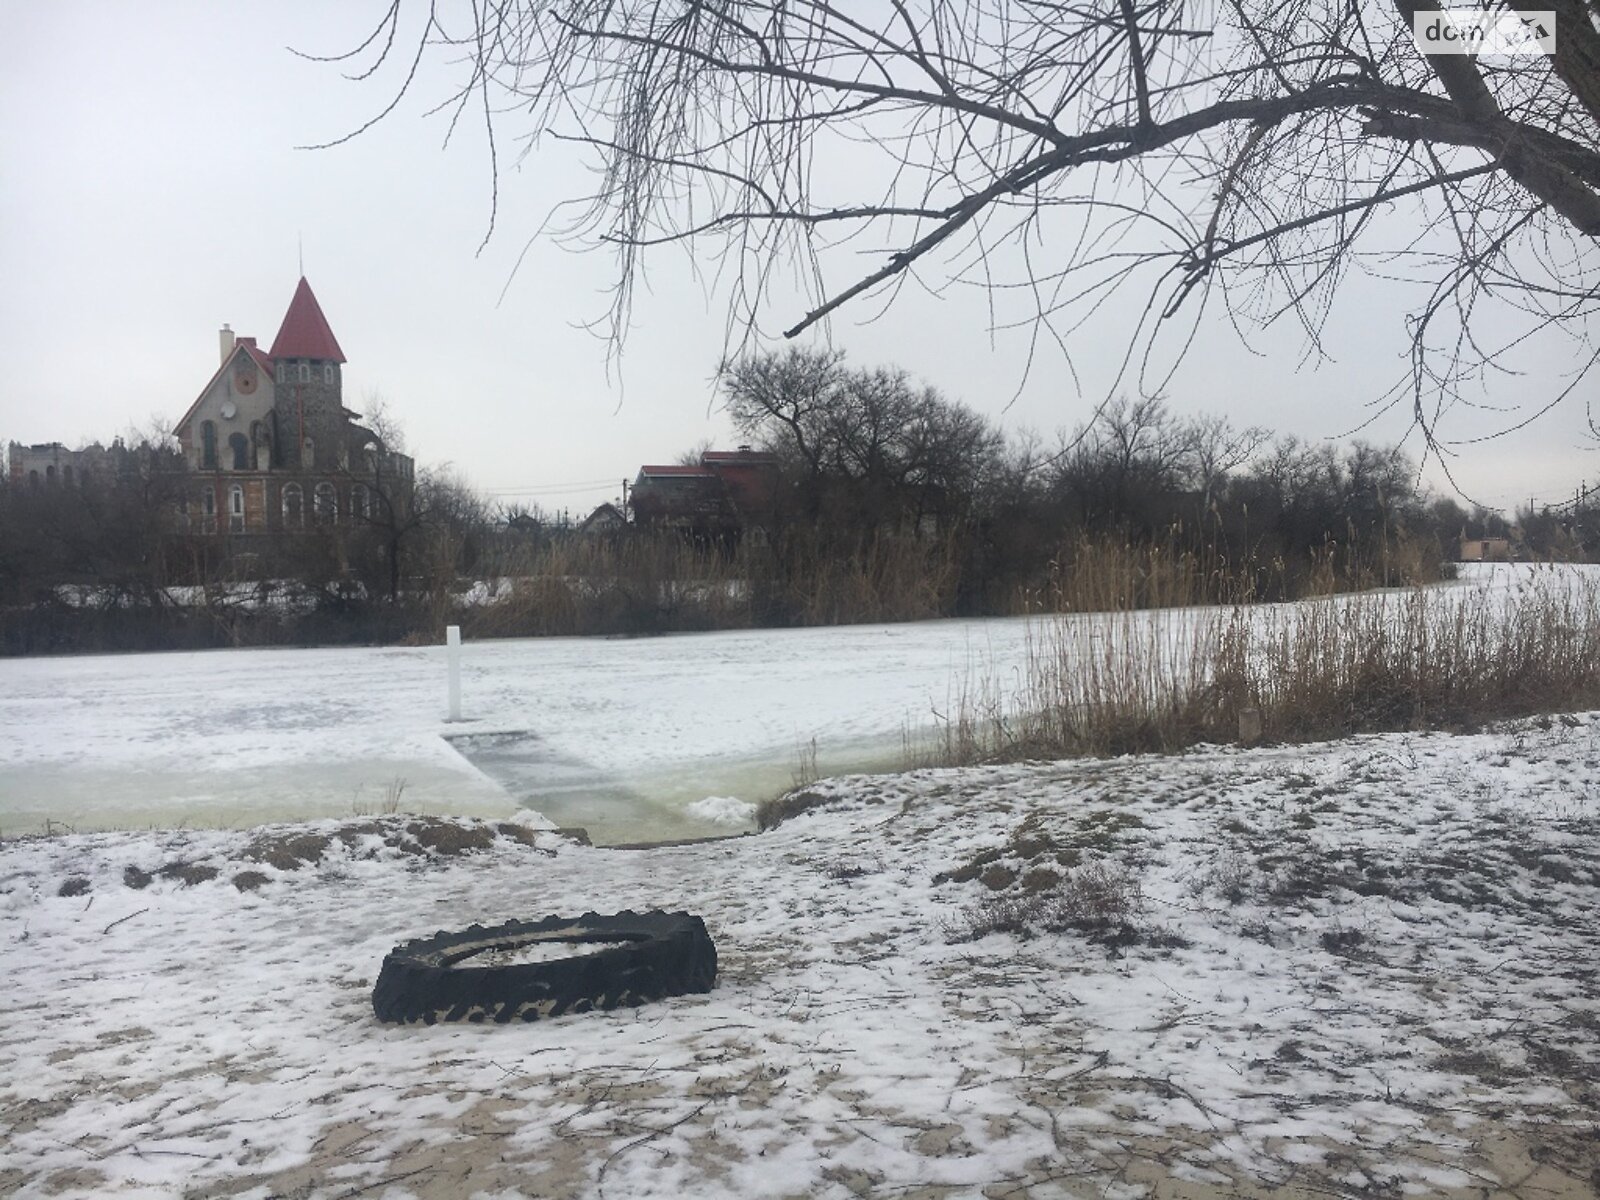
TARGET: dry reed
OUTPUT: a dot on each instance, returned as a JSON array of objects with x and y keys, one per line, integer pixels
[
  {"x": 1097, "y": 573},
  {"x": 654, "y": 584},
  {"x": 1434, "y": 657}
]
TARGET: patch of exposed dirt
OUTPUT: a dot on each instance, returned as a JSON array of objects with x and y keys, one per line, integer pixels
[
  {"x": 772, "y": 813},
  {"x": 445, "y": 837},
  {"x": 291, "y": 851},
  {"x": 287, "y": 850},
  {"x": 189, "y": 873},
  {"x": 420, "y": 836},
  {"x": 1033, "y": 853}
]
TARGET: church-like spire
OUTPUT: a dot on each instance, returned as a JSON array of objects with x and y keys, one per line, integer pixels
[{"x": 305, "y": 332}]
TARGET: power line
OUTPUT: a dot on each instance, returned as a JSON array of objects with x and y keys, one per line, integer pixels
[
  {"x": 570, "y": 483},
  {"x": 552, "y": 489},
  {"x": 1552, "y": 496}
]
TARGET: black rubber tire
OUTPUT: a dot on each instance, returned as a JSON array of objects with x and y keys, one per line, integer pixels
[{"x": 658, "y": 954}]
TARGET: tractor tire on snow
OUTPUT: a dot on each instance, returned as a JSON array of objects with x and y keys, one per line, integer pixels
[{"x": 656, "y": 954}]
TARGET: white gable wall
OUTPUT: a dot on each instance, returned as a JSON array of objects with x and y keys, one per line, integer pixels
[{"x": 228, "y": 388}]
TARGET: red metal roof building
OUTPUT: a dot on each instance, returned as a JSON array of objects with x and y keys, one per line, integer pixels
[{"x": 715, "y": 499}]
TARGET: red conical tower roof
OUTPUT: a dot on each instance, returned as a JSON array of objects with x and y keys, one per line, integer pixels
[{"x": 305, "y": 332}]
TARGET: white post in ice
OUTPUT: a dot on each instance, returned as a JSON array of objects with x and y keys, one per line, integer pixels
[{"x": 452, "y": 639}]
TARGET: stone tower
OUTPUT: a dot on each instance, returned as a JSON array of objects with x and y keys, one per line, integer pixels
[{"x": 308, "y": 367}]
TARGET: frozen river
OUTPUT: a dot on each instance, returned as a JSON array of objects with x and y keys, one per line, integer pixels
[{"x": 634, "y": 739}]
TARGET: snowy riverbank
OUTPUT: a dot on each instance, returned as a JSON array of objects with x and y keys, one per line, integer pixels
[{"x": 1360, "y": 968}]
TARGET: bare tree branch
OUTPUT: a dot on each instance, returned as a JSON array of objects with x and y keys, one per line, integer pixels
[{"x": 1057, "y": 155}]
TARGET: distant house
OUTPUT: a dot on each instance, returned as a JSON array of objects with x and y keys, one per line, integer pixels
[
  {"x": 716, "y": 499},
  {"x": 50, "y": 465},
  {"x": 1488, "y": 549},
  {"x": 679, "y": 496},
  {"x": 520, "y": 521},
  {"x": 269, "y": 445},
  {"x": 46, "y": 464},
  {"x": 605, "y": 519}
]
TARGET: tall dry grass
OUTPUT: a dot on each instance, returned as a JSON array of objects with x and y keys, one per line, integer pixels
[
  {"x": 1099, "y": 573},
  {"x": 1428, "y": 657},
  {"x": 656, "y": 584},
  {"x": 889, "y": 578},
  {"x": 599, "y": 586}
]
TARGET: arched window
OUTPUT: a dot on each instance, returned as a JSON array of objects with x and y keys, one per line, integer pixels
[
  {"x": 208, "y": 445},
  {"x": 33, "y": 478},
  {"x": 236, "y": 509},
  {"x": 305, "y": 372},
  {"x": 294, "y": 507},
  {"x": 361, "y": 502},
  {"x": 327, "y": 504},
  {"x": 327, "y": 372},
  {"x": 208, "y": 511},
  {"x": 239, "y": 447},
  {"x": 308, "y": 454},
  {"x": 50, "y": 474},
  {"x": 261, "y": 445},
  {"x": 283, "y": 371}
]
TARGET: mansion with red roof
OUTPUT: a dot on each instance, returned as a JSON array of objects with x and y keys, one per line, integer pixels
[{"x": 269, "y": 443}]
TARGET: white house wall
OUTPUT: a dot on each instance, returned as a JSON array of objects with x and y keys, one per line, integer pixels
[{"x": 254, "y": 406}]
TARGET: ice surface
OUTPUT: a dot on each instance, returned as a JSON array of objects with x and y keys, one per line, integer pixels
[
  {"x": 723, "y": 810},
  {"x": 619, "y": 735}
]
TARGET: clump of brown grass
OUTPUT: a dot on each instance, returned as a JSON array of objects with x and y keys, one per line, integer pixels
[
  {"x": 1101, "y": 895},
  {"x": 1128, "y": 681}
]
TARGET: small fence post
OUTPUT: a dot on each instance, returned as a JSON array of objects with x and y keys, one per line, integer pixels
[
  {"x": 1249, "y": 725},
  {"x": 452, "y": 638}
]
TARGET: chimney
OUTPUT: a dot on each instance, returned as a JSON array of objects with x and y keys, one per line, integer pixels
[{"x": 225, "y": 341}]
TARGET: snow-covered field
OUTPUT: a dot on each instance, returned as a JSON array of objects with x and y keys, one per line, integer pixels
[{"x": 1360, "y": 969}]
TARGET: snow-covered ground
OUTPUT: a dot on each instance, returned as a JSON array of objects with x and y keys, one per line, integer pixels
[{"x": 1360, "y": 969}]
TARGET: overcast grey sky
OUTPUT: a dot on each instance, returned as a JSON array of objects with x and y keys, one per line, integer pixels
[{"x": 151, "y": 189}]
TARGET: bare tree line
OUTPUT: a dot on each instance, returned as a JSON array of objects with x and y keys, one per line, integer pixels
[
  {"x": 887, "y": 500},
  {"x": 866, "y": 450}
]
